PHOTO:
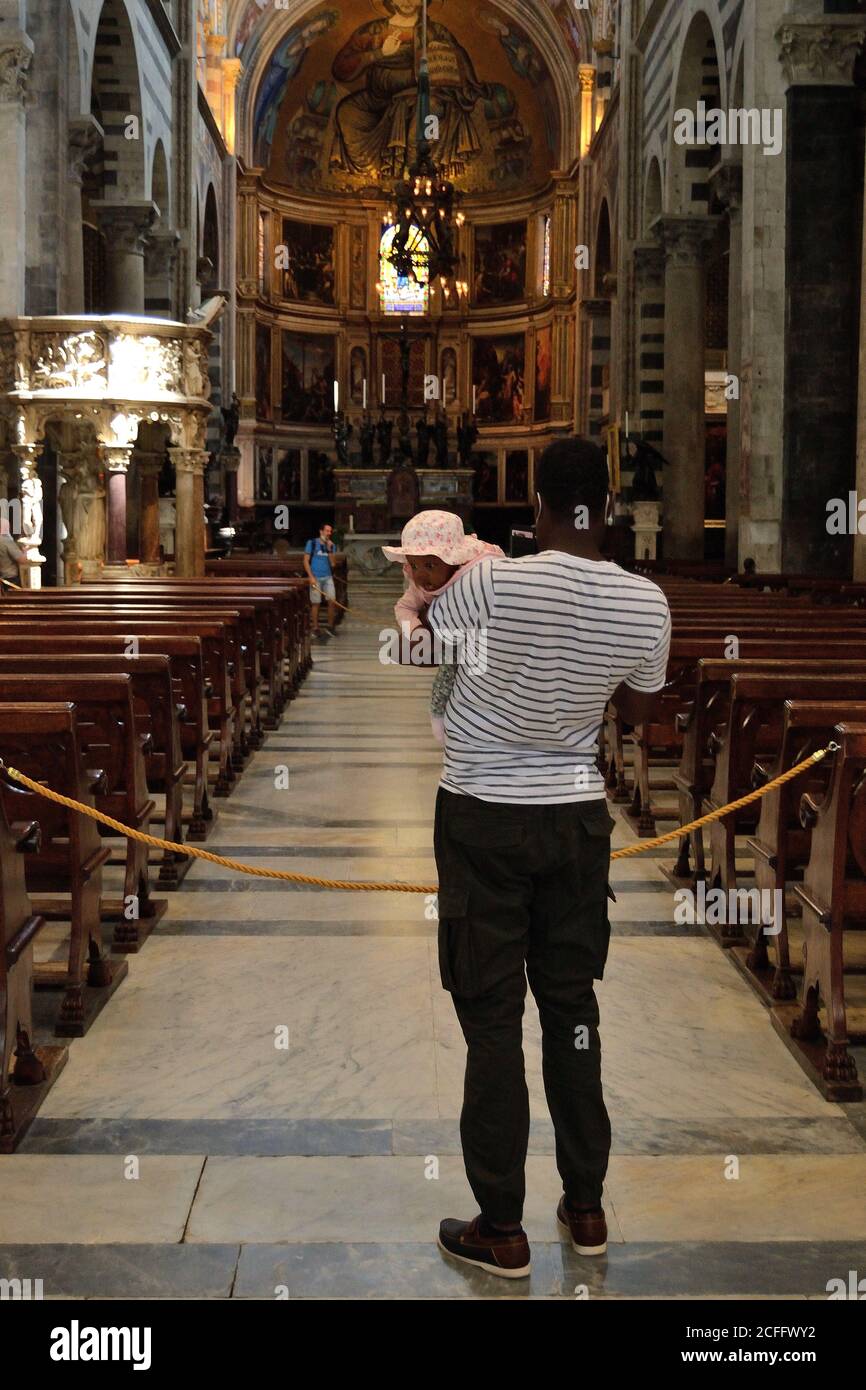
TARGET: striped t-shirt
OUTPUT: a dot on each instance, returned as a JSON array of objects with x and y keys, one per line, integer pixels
[{"x": 541, "y": 643}]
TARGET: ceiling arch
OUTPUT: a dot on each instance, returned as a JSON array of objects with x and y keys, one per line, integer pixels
[{"x": 522, "y": 56}]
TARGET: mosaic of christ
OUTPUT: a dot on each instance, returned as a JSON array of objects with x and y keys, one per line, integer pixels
[{"x": 337, "y": 107}]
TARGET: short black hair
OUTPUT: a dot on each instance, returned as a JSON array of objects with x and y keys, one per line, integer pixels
[{"x": 573, "y": 473}]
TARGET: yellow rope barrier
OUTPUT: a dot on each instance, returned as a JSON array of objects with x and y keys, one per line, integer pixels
[{"x": 639, "y": 847}]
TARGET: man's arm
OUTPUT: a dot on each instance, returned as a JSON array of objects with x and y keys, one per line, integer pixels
[
  {"x": 307, "y": 569},
  {"x": 638, "y": 698}
]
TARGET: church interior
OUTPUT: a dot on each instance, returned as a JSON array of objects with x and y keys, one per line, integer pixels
[{"x": 279, "y": 275}]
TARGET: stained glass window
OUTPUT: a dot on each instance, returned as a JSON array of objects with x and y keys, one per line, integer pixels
[
  {"x": 545, "y": 260},
  {"x": 399, "y": 294}
]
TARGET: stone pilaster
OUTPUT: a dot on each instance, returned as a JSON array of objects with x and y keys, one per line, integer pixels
[
  {"x": 16, "y": 53},
  {"x": 649, "y": 277},
  {"x": 84, "y": 137},
  {"x": 685, "y": 240},
  {"x": 586, "y": 77},
  {"x": 824, "y": 166},
  {"x": 728, "y": 186},
  {"x": 160, "y": 255}
]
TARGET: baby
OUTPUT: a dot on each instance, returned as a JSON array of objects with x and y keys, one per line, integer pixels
[{"x": 434, "y": 551}]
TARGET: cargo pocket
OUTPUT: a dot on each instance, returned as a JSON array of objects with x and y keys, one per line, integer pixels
[
  {"x": 599, "y": 825},
  {"x": 458, "y": 966}
]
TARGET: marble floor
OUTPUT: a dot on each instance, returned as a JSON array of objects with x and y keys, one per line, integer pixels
[{"x": 268, "y": 1106}]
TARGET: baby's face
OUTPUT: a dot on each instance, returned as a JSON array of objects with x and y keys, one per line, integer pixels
[{"x": 429, "y": 572}]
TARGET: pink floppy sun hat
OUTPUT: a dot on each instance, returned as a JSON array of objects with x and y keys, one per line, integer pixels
[{"x": 436, "y": 533}]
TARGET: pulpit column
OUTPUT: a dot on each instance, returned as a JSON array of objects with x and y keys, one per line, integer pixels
[
  {"x": 30, "y": 499},
  {"x": 149, "y": 469},
  {"x": 685, "y": 241},
  {"x": 116, "y": 465},
  {"x": 189, "y": 467}
]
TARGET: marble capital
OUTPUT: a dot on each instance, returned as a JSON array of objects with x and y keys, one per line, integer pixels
[
  {"x": 16, "y": 55},
  {"x": 127, "y": 225},
  {"x": 189, "y": 460},
  {"x": 160, "y": 252},
  {"x": 820, "y": 50},
  {"x": 116, "y": 458},
  {"x": 586, "y": 75},
  {"x": 685, "y": 238}
]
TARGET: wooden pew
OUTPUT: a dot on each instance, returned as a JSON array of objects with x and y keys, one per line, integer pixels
[
  {"x": 27, "y": 1072},
  {"x": 660, "y": 741},
  {"x": 156, "y": 716},
  {"x": 278, "y": 567},
  {"x": 782, "y": 842},
  {"x": 41, "y": 740},
  {"x": 754, "y": 727},
  {"x": 707, "y": 714},
  {"x": 190, "y": 690},
  {"x": 109, "y": 738},
  {"x": 221, "y": 707},
  {"x": 831, "y": 1010}
]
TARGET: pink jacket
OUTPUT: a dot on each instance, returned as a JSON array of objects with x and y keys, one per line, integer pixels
[{"x": 409, "y": 606}]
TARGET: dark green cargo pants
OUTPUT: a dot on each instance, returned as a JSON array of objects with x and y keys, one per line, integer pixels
[{"x": 523, "y": 892}]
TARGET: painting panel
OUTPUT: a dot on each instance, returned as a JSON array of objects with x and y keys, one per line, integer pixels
[
  {"x": 357, "y": 375},
  {"x": 500, "y": 263},
  {"x": 543, "y": 360},
  {"x": 308, "y": 378},
  {"x": 264, "y": 404},
  {"x": 498, "y": 375},
  {"x": 265, "y": 474},
  {"x": 449, "y": 376},
  {"x": 289, "y": 476},
  {"x": 485, "y": 484},
  {"x": 309, "y": 276},
  {"x": 517, "y": 476}
]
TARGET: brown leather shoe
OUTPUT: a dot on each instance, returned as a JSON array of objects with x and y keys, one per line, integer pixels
[
  {"x": 587, "y": 1229},
  {"x": 505, "y": 1253}
]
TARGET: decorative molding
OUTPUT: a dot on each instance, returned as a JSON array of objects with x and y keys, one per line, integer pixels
[
  {"x": 16, "y": 55},
  {"x": 820, "y": 51}
]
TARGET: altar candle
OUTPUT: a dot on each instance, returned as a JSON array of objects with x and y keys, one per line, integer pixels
[
  {"x": 626, "y": 425},
  {"x": 383, "y": 388},
  {"x": 474, "y": 396},
  {"x": 365, "y": 393},
  {"x": 336, "y": 396}
]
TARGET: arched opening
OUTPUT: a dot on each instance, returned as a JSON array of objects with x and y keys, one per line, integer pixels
[
  {"x": 693, "y": 147},
  {"x": 209, "y": 262},
  {"x": 161, "y": 247},
  {"x": 652, "y": 201},
  {"x": 602, "y": 258},
  {"x": 116, "y": 203}
]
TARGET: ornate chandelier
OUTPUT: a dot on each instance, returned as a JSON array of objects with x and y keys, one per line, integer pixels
[{"x": 424, "y": 217}]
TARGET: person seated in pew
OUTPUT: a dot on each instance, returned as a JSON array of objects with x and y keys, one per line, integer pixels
[
  {"x": 12, "y": 557},
  {"x": 522, "y": 842}
]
